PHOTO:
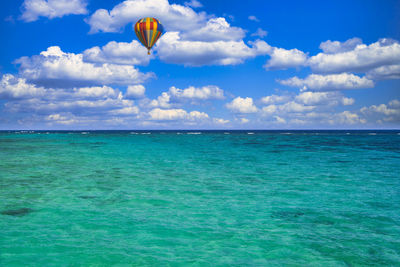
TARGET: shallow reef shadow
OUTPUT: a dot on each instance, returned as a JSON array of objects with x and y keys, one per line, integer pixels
[{"x": 17, "y": 212}]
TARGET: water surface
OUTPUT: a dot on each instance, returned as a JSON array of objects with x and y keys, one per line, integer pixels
[{"x": 200, "y": 197}]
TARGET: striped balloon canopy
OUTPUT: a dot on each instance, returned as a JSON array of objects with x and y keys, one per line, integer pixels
[{"x": 148, "y": 30}]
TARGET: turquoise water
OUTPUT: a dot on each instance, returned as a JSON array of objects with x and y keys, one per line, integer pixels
[{"x": 329, "y": 198}]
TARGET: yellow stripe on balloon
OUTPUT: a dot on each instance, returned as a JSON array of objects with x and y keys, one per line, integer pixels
[
  {"x": 153, "y": 38},
  {"x": 138, "y": 27},
  {"x": 148, "y": 31}
]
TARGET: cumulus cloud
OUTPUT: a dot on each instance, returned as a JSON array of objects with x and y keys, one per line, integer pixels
[
  {"x": 355, "y": 57},
  {"x": 284, "y": 59},
  {"x": 379, "y": 60},
  {"x": 176, "y": 114},
  {"x": 308, "y": 108},
  {"x": 270, "y": 109},
  {"x": 394, "y": 103},
  {"x": 216, "y": 29},
  {"x": 285, "y": 109},
  {"x": 33, "y": 9},
  {"x": 192, "y": 38},
  {"x": 384, "y": 73},
  {"x": 193, "y": 93},
  {"x": 65, "y": 118},
  {"x": 176, "y": 96},
  {"x": 172, "y": 49},
  {"x": 86, "y": 106},
  {"x": 343, "y": 81},
  {"x": 298, "y": 114},
  {"x": 383, "y": 112},
  {"x": 383, "y": 109},
  {"x": 280, "y": 120},
  {"x": 346, "y": 117},
  {"x": 75, "y": 106},
  {"x": 323, "y": 98},
  {"x": 13, "y": 87},
  {"x": 162, "y": 101},
  {"x": 220, "y": 121},
  {"x": 260, "y": 33},
  {"x": 177, "y": 17},
  {"x": 272, "y": 99},
  {"x": 193, "y": 3},
  {"x": 95, "y": 92},
  {"x": 132, "y": 53},
  {"x": 58, "y": 106},
  {"x": 76, "y": 113},
  {"x": 135, "y": 91},
  {"x": 293, "y": 106},
  {"x": 242, "y": 105},
  {"x": 55, "y": 68},
  {"x": 334, "y": 47},
  {"x": 133, "y": 110}
]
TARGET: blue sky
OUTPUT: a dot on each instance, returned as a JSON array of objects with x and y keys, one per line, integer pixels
[{"x": 76, "y": 64}]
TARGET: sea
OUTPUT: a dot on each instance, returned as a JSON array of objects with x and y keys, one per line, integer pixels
[{"x": 200, "y": 198}]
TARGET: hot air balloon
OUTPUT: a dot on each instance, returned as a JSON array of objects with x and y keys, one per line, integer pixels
[{"x": 148, "y": 30}]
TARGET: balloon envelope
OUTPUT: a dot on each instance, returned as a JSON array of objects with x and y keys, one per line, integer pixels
[{"x": 148, "y": 30}]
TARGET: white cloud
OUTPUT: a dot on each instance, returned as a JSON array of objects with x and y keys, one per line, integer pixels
[
  {"x": 13, "y": 87},
  {"x": 135, "y": 91},
  {"x": 193, "y": 93},
  {"x": 346, "y": 117},
  {"x": 55, "y": 68},
  {"x": 176, "y": 96},
  {"x": 270, "y": 109},
  {"x": 260, "y": 33},
  {"x": 75, "y": 102},
  {"x": 172, "y": 49},
  {"x": 341, "y": 81},
  {"x": 384, "y": 73},
  {"x": 193, "y": 3},
  {"x": 33, "y": 9},
  {"x": 220, "y": 121},
  {"x": 272, "y": 99},
  {"x": 132, "y": 53},
  {"x": 74, "y": 106},
  {"x": 253, "y": 18},
  {"x": 65, "y": 118},
  {"x": 197, "y": 115},
  {"x": 177, "y": 17},
  {"x": 162, "y": 101},
  {"x": 361, "y": 58},
  {"x": 216, "y": 29},
  {"x": 323, "y": 98},
  {"x": 133, "y": 110},
  {"x": 383, "y": 109},
  {"x": 284, "y": 59},
  {"x": 394, "y": 103},
  {"x": 95, "y": 92},
  {"x": 242, "y": 105},
  {"x": 379, "y": 60},
  {"x": 244, "y": 120},
  {"x": 307, "y": 108},
  {"x": 334, "y": 47},
  {"x": 293, "y": 106},
  {"x": 192, "y": 38},
  {"x": 280, "y": 120},
  {"x": 176, "y": 114},
  {"x": 314, "y": 98},
  {"x": 347, "y": 101}
]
